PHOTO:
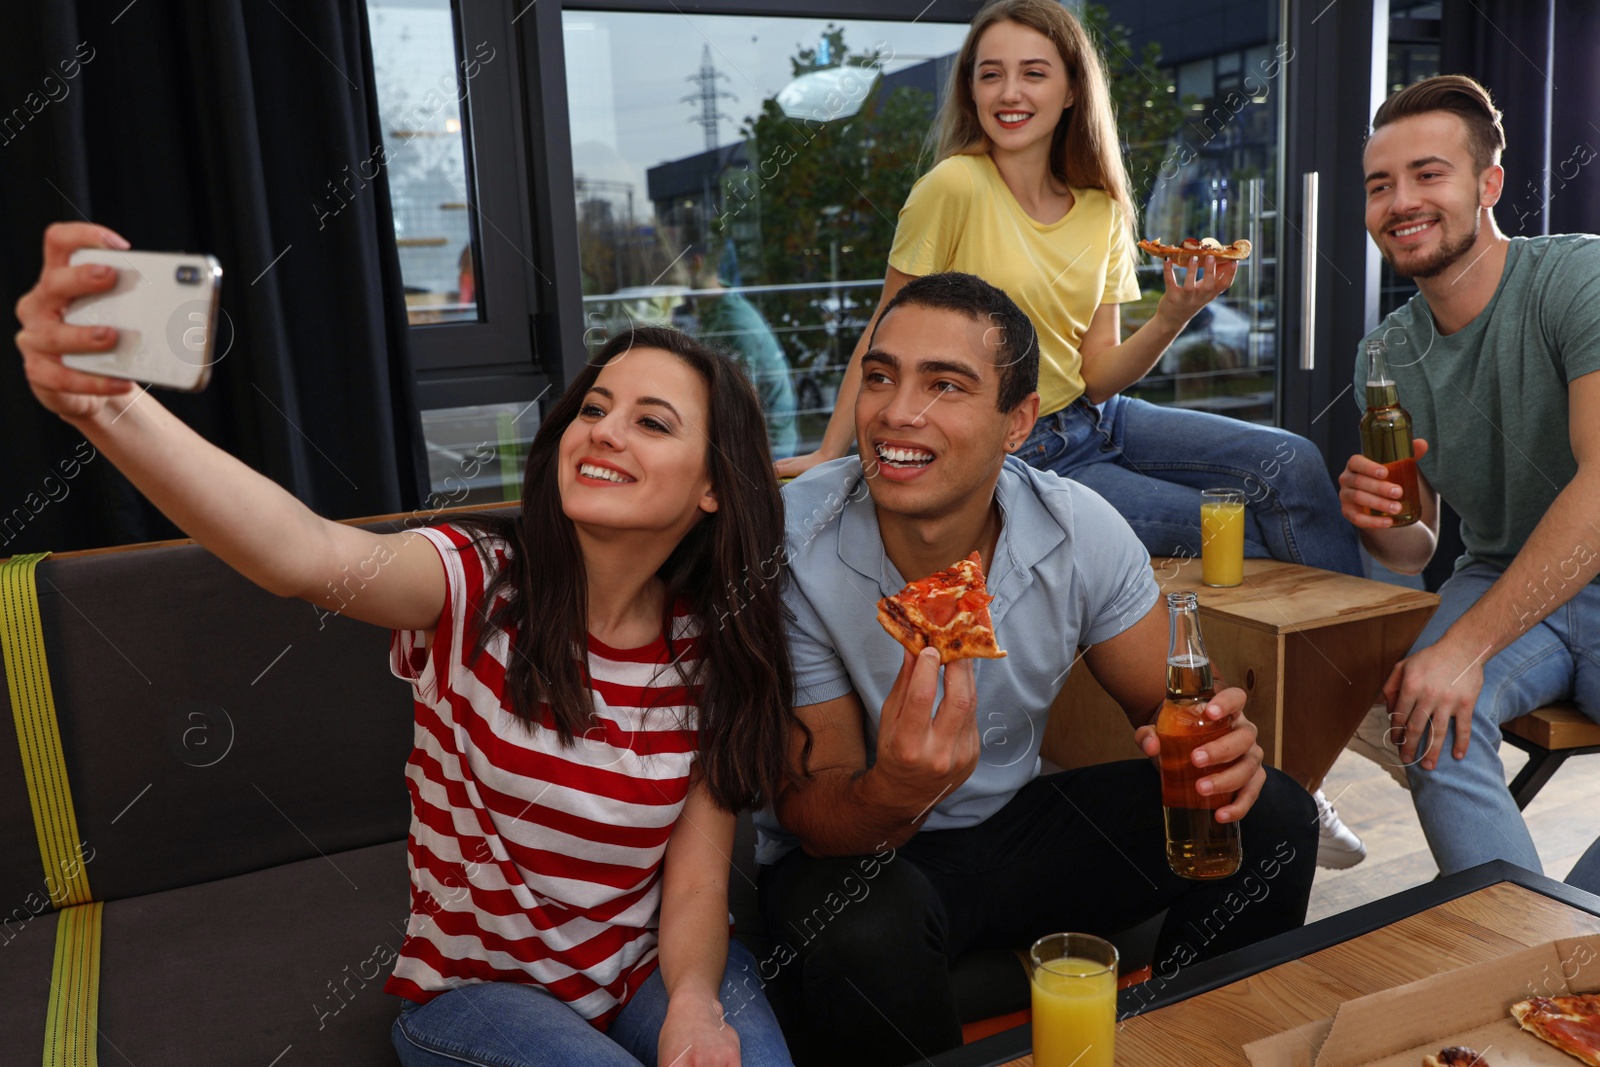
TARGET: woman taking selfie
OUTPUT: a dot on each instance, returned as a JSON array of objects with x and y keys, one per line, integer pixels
[
  {"x": 592, "y": 701},
  {"x": 1029, "y": 192}
]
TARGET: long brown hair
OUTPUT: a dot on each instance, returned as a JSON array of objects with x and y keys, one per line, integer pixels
[
  {"x": 729, "y": 567},
  {"x": 1085, "y": 150}
]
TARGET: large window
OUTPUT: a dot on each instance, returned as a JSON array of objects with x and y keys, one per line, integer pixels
[{"x": 740, "y": 176}]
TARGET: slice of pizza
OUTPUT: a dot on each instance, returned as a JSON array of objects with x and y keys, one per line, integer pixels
[
  {"x": 1455, "y": 1056},
  {"x": 948, "y": 611},
  {"x": 1190, "y": 247},
  {"x": 1571, "y": 1024}
]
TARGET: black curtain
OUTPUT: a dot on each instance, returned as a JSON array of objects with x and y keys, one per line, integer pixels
[
  {"x": 1538, "y": 58},
  {"x": 212, "y": 126}
]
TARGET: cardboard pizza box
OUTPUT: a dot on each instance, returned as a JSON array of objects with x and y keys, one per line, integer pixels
[{"x": 1468, "y": 1006}]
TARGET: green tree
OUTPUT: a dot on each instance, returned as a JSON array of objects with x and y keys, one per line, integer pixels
[
  {"x": 821, "y": 200},
  {"x": 1148, "y": 110}
]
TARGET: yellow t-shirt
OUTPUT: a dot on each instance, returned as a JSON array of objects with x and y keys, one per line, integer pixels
[{"x": 961, "y": 216}]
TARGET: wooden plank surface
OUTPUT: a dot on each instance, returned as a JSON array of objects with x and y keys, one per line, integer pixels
[
  {"x": 1286, "y": 598},
  {"x": 1557, "y": 726},
  {"x": 1333, "y": 674},
  {"x": 1214, "y": 1027}
]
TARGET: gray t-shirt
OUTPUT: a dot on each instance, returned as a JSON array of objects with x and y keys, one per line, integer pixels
[{"x": 1491, "y": 398}]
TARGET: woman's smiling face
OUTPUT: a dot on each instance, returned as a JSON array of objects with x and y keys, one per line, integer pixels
[
  {"x": 1020, "y": 86},
  {"x": 634, "y": 458}
]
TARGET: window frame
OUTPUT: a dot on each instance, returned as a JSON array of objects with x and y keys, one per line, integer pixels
[{"x": 493, "y": 359}]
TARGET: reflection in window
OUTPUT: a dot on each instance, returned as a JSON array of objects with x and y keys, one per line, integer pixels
[
  {"x": 747, "y": 188},
  {"x": 476, "y": 454},
  {"x": 422, "y": 83}
]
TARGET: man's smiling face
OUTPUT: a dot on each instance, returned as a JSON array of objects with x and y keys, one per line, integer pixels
[
  {"x": 1424, "y": 197},
  {"x": 927, "y": 416}
]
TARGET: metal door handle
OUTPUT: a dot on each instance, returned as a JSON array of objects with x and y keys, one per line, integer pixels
[{"x": 1308, "y": 274}]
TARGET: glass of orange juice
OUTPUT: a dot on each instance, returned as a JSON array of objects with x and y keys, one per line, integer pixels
[
  {"x": 1074, "y": 1000},
  {"x": 1222, "y": 537}
]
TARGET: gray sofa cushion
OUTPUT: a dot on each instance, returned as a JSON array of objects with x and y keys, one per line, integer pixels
[{"x": 235, "y": 971}]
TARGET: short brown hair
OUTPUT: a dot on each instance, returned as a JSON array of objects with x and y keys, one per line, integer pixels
[{"x": 1461, "y": 96}]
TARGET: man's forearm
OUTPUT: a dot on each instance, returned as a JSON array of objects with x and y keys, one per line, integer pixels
[
  {"x": 1561, "y": 556},
  {"x": 846, "y": 813}
]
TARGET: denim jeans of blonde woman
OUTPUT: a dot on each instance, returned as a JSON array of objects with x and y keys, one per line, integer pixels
[{"x": 1152, "y": 462}]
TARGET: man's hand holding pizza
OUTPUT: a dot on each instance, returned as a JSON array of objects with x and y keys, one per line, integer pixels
[{"x": 923, "y": 756}]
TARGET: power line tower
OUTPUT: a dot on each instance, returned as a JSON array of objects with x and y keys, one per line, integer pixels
[{"x": 707, "y": 97}]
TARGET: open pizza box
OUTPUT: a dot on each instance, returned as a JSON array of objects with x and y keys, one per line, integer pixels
[{"x": 1469, "y": 1006}]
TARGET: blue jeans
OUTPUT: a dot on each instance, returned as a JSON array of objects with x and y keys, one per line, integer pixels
[
  {"x": 1151, "y": 463},
  {"x": 507, "y": 1024},
  {"x": 1466, "y": 809}
]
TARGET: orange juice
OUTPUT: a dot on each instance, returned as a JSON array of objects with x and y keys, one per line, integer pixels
[
  {"x": 1222, "y": 542},
  {"x": 1074, "y": 1013}
]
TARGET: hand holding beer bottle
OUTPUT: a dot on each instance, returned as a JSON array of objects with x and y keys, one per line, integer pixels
[
  {"x": 1386, "y": 441},
  {"x": 1198, "y": 846}
]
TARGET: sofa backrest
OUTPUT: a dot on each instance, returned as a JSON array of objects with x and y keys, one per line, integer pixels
[{"x": 209, "y": 728}]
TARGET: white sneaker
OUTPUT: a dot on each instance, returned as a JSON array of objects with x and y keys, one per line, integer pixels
[
  {"x": 1375, "y": 739},
  {"x": 1338, "y": 846}
]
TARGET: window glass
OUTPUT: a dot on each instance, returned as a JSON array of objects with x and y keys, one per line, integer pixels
[
  {"x": 741, "y": 177},
  {"x": 1199, "y": 116},
  {"x": 423, "y": 81},
  {"x": 476, "y": 454}
]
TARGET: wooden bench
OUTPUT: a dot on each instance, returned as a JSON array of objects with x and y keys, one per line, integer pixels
[{"x": 1548, "y": 735}]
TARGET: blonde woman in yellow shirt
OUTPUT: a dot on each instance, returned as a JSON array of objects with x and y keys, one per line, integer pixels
[{"x": 1030, "y": 193}]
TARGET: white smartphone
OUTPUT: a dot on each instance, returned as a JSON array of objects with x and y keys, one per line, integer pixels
[{"x": 164, "y": 307}]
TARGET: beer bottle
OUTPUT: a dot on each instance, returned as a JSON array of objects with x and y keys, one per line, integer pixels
[
  {"x": 1386, "y": 435},
  {"x": 1197, "y": 845}
]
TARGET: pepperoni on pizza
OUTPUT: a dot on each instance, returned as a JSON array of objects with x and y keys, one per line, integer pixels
[
  {"x": 948, "y": 611},
  {"x": 1571, "y": 1023}
]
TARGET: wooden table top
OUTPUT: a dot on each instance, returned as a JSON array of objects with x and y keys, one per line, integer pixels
[
  {"x": 1286, "y": 597},
  {"x": 1212, "y": 1027}
]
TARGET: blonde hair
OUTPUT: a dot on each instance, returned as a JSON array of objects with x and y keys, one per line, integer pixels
[{"x": 1085, "y": 150}]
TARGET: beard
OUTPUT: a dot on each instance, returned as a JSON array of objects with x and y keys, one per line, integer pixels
[{"x": 1434, "y": 264}]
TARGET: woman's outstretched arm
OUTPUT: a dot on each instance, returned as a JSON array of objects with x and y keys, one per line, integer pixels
[{"x": 250, "y": 522}]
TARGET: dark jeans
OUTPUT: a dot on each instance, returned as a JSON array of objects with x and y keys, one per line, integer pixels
[{"x": 873, "y": 937}]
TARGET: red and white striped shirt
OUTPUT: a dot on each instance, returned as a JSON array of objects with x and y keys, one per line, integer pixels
[{"x": 532, "y": 861}]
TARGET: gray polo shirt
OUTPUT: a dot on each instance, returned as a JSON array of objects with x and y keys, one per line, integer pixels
[{"x": 1068, "y": 572}]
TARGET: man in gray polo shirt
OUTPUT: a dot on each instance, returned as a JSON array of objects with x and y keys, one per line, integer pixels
[
  {"x": 1495, "y": 358},
  {"x": 923, "y": 828}
]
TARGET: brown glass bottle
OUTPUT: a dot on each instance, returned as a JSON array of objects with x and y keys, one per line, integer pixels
[
  {"x": 1386, "y": 435},
  {"x": 1197, "y": 845}
]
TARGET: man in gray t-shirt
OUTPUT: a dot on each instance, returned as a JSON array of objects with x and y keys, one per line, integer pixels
[{"x": 1495, "y": 359}]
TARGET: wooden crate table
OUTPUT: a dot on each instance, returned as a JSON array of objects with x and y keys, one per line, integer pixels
[{"x": 1311, "y": 647}]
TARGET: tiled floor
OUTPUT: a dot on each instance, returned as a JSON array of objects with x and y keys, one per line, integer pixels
[{"x": 1562, "y": 818}]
